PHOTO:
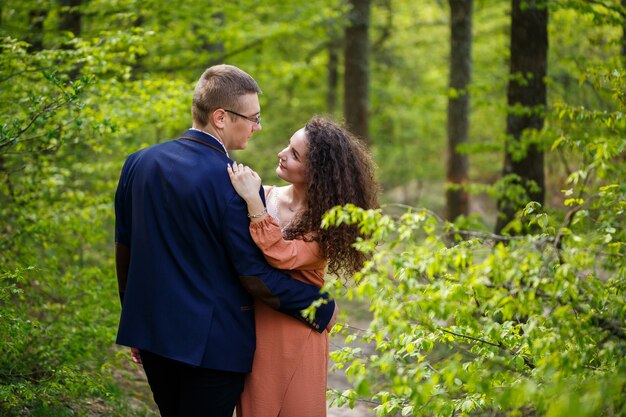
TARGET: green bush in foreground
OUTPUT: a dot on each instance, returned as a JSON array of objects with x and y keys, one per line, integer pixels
[{"x": 467, "y": 323}]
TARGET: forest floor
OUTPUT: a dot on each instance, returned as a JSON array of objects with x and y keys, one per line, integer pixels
[
  {"x": 337, "y": 380},
  {"x": 132, "y": 380}
]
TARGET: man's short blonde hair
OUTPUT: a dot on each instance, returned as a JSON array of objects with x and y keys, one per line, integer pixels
[{"x": 220, "y": 87}]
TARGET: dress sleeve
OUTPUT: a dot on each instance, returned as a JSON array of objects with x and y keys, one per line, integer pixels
[
  {"x": 272, "y": 286},
  {"x": 281, "y": 253}
]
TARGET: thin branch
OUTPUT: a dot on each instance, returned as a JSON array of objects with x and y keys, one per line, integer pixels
[
  {"x": 202, "y": 67},
  {"x": 476, "y": 339},
  {"x": 499, "y": 345},
  {"x": 484, "y": 235},
  {"x": 19, "y": 73},
  {"x": 569, "y": 217},
  {"x": 50, "y": 107},
  {"x": 59, "y": 128},
  {"x": 414, "y": 209},
  {"x": 225, "y": 57},
  {"x": 362, "y": 400}
]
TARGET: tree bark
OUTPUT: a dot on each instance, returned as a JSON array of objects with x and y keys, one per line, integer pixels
[
  {"x": 333, "y": 76},
  {"x": 70, "y": 16},
  {"x": 356, "y": 75},
  {"x": 35, "y": 32},
  {"x": 526, "y": 91},
  {"x": 457, "y": 199},
  {"x": 215, "y": 50},
  {"x": 70, "y": 21},
  {"x": 624, "y": 35},
  {"x": 138, "y": 65}
]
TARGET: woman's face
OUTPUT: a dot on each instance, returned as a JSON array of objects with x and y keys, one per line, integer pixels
[{"x": 291, "y": 160}]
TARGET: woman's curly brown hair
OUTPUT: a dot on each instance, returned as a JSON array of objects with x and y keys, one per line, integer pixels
[{"x": 340, "y": 171}]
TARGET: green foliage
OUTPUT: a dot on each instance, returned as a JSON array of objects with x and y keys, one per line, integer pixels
[
  {"x": 467, "y": 323},
  {"x": 463, "y": 320},
  {"x": 55, "y": 234}
]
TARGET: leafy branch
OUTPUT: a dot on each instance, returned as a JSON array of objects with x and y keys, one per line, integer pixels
[{"x": 499, "y": 345}]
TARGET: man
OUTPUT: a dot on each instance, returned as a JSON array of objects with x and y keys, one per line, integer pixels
[{"x": 184, "y": 256}]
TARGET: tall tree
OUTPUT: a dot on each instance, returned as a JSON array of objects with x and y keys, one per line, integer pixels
[
  {"x": 333, "y": 76},
  {"x": 356, "y": 75},
  {"x": 138, "y": 22},
  {"x": 70, "y": 16},
  {"x": 457, "y": 200},
  {"x": 214, "y": 51},
  {"x": 624, "y": 31},
  {"x": 526, "y": 96},
  {"x": 35, "y": 29},
  {"x": 70, "y": 21}
]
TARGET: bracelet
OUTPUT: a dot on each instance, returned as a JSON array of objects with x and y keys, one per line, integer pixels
[{"x": 256, "y": 216}]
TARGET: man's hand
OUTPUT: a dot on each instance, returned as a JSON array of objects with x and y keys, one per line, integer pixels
[
  {"x": 135, "y": 356},
  {"x": 122, "y": 263}
]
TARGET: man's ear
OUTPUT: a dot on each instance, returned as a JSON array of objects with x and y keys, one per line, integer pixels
[{"x": 217, "y": 118}]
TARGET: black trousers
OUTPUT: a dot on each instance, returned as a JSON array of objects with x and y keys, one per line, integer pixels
[{"x": 181, "y": 390}]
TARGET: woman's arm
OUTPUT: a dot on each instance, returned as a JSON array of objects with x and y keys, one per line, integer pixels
[
  {"x": 285, "y": 254},
  {"x": 276, "y": 288},
  {"x": 266, "y": 233},
  {"x": 247, "y": 183}
]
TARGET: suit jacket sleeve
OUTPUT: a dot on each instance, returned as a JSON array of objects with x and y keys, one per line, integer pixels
[{"x": 276, "y": 288}]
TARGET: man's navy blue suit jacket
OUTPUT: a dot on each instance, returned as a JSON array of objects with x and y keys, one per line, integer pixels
[{"x": 191, "y": 255}]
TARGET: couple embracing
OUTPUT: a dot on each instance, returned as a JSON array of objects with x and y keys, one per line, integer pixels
[{"x": 214, "y": 269}]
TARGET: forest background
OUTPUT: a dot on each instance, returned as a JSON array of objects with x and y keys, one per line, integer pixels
[{"x": 496, "y": 279}]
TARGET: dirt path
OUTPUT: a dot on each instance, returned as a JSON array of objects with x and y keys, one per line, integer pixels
[
  {"x": 337, "y": 379},
  {"x": 132, "y": 380}
]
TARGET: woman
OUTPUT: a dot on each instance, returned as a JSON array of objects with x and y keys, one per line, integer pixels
[{"x": 325, "y": 166}]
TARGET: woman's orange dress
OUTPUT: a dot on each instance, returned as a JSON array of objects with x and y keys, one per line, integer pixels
[{"x": 290, "y": 367}]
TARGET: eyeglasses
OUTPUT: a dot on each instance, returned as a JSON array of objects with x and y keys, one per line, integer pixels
[{"x": 255, "y": 120}]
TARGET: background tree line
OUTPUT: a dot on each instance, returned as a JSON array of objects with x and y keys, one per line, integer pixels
[{"x": 502, "y": 121}]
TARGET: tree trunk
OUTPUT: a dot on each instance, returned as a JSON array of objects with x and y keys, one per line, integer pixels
[
  {"x": 70, "y": 21},
  {"x": 138, "y": 65},
  {"x": 70, "y": 16},
  {"x": 624, "y": 34},
  {"x": 35, "y": 32},
  {"x": 215, "y": 50},
  {"x": 356, "y": 75},
  {"x": 457, "y": 200},
  {"x": 527, "y": 91},
  {"x": 333, "y": 76}
]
